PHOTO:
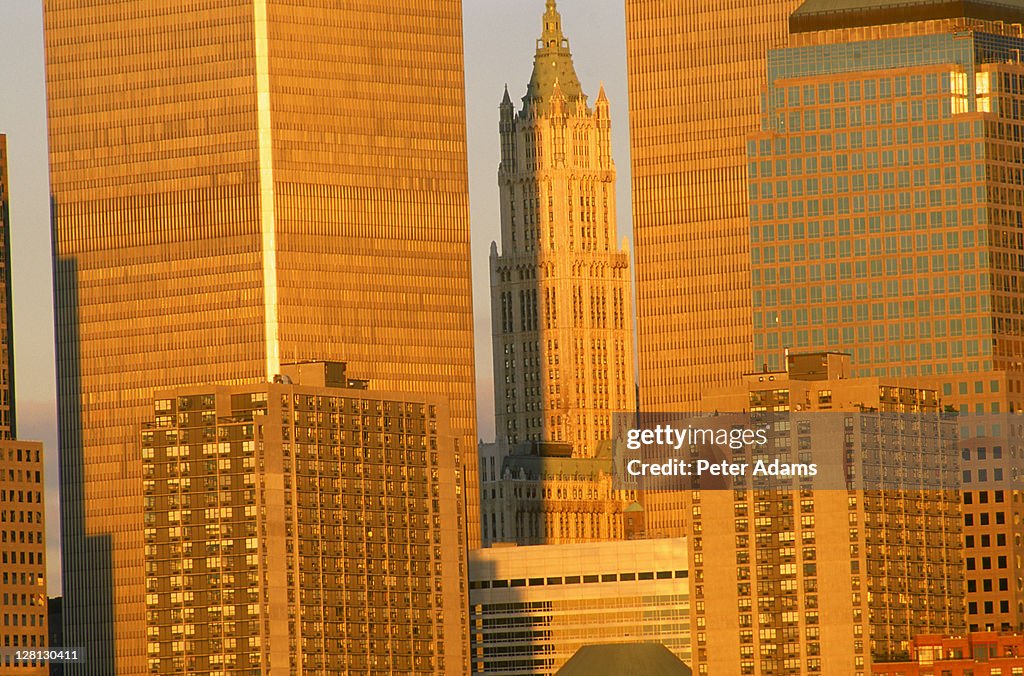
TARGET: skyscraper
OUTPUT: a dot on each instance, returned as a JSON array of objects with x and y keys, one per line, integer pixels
[
  {"x": 810, "y": 581},
  {"x": 885, "y": 215},
  {"x": 561, "y": 314},
  {"x": 560, "y": 287},
  {"x": 252, "y": 183},
  {"x": 302, "y": 527},
  {"x": 8, "y": 420},
  {"x": 696, "y": 72}
]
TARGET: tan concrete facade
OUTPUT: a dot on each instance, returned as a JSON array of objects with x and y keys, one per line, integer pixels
[
  {"x": 561, "y": 303},
  {"x": 23, "y": 609},
  {"x": 826, "y": 581},
  {"x": 226, "y": 198},
  {"x": 302, "y": 528}
]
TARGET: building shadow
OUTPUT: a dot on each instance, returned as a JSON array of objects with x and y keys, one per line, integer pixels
[{"x": 86, "y": 560}]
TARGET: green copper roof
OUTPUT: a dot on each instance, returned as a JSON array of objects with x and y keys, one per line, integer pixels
[
  {"x": 553, "y": 70},
  {"x": 616, "y": 659},
  {"x": 816, "y": 15}
]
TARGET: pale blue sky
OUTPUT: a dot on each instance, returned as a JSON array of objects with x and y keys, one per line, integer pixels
[{"x": 499, "y": 45}]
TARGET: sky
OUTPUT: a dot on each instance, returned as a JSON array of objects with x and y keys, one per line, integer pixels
[{"x": 499, "y": 47}]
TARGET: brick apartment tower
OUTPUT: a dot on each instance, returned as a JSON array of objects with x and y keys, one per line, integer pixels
[
  {"x": 252, "y": 183},
  {"x": 829, "y": 580},
  {"x": 310, "y": 526},
  {"x": 23, "y": 601}
]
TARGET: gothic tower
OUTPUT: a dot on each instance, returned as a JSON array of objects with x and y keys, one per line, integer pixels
[{"x": 560, "y": 288}]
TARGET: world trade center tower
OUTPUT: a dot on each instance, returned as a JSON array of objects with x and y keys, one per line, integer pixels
[
  {"x": 696, "y": 71},
  {"x": 238, "y": 184}
]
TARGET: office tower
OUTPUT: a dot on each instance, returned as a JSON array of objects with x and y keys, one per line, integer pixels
[
  {"x": 7, "y": 413},
  {"x": 252, "y": 183},
  {"x": 976, "y": 653},
  {"x": 811, "y": 581},
  {"x": 560, "y": 288},
  {"x": 884, "y": 222},
  {"x": 22, "y": 556},
  {"x": 561, "y": 313},
  {"x": 696, "y": 72},
  {"x": 303, "y": 526},
  {"x": 532, "y": 608},
  {"x": 545, "y": 496}
]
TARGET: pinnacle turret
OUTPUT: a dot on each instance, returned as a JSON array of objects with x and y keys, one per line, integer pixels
[{"x": 556, "y": 91}]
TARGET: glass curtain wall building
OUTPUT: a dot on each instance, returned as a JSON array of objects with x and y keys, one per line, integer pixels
[{"x": 886, "y": 215}]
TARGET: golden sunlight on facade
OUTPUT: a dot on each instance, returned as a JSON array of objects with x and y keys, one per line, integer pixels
[
  {"x": 310, "y": 525},
  {"x": 560, "y": 287},
  {"x": 828, "y": 581},
  {"x": 561, "y": 314},
  {"x": 236, "y": 186},
  {"x": 885, "y": 216},
  {"x": 696, "y": 73},
  {"x": 23, "y": 609},
  {"x": 532, "y": 608}
]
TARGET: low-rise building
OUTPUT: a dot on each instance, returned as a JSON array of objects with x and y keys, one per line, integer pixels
[
  {"x": 975, "y": 654},
  {"x": 546, "y": 496},
  {"x": 532, "y": 608}
]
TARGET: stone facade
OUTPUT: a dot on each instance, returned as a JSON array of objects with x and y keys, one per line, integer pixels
[{"x": 560, "y": 287}]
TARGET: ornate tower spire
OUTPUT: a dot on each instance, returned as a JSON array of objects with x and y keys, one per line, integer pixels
[
  {"x": 552, "y": 62},
  {"x": 560, "y": 296},
  {"x": 507, "y": 127},
  {"x": 603, "y": 125},
  {"x": 552, "y": 32}
]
